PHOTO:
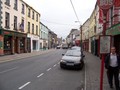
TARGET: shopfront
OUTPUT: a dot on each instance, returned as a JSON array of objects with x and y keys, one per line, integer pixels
[
  {"x": 12, "y": 42},
  {"x": 114, "y": 31}
]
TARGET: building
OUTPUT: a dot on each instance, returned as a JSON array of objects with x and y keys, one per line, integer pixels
[
  {"x": 13, "y": 37},
  {"x": 73, "y": 38},
  {"x": 113, "y": 25},
  {"x": 92, "y": 31},
  {"x": 43, "y": 36},
  {"x": 85, "y": 35},
  {"x": 52, "y": 41},
  {"x": 33, "y": 29}
]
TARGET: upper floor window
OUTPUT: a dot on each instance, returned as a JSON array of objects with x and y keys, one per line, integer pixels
[
  {"x": 7, "y": 2},
  {"x": 15, "y": 23},
  {"x": 32, "y": 28},
  {"x": 28, "y": 27},
  {"x": 22, "y": 25},
  {"x": 29, "y": 12},
  {"x": 33, "y": 15},
  {"x": 37, "y": 17},
  {"x": 23, "y": 9},
  {"x": 36, "y": 30},
  {"x": 16, "y": 4},
  {"x": 7, "y": 20}
]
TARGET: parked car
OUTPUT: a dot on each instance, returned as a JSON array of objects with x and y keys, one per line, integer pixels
[
  {"x": 76, "y": 48},
  {"x": 58, "y": 47},
  {"x": 64, "y": 46},
  {"x": 72, "y": 59}
]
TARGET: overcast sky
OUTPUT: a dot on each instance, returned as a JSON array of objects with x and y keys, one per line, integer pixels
[{"x": 58, "y": 15}]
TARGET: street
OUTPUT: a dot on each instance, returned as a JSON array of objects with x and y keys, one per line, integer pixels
[{"x": 41, "y": 72}]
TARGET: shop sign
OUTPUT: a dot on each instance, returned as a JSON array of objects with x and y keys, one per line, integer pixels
[
  {"x": 7, "y": 33},
  {"x": 115, "y": 30}
]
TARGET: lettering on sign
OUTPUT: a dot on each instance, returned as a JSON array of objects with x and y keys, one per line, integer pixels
[{"x": 106, "y": 2}]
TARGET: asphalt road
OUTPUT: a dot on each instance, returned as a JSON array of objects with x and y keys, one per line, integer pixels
[{"x": 40, "y": 73}]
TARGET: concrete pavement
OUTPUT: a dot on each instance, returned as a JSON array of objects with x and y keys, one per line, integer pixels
[
  {"x": 93, "y": 64},
  {"x": 22, "y": 55}
]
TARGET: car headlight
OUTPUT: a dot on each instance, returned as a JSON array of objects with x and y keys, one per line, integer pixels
[{"x": 63, "y": 61}]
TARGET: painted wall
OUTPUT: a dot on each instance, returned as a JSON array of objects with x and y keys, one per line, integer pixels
[{"x": 33, "y": 21}]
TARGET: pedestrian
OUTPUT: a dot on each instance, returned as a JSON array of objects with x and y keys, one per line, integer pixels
[{"x": 112, "y": 64}]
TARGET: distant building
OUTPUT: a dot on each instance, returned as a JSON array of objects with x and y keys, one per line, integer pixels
[{"x": 43, "y": 36}]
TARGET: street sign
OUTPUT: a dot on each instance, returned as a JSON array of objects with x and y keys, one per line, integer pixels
[
  {"x": 105, "y": 42},
  {"x": 105, "y": 4}
]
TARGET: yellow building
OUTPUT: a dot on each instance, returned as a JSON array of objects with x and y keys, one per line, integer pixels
[
  {"x": 33, "y": 28},
  {"x": 92, "y": 31}
]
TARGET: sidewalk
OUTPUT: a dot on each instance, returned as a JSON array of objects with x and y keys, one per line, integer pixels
[
  {"x": 93, "y": 64},
  {"x": 22, "y": 55}
]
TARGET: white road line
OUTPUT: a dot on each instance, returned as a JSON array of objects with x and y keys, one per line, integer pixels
[
  {"x": 49, "y": 69},
  {"x": 85, "y": 77},
  {"x": 8, "y": 70},
  {"x": 24, "y": 85},
  {"x": 40, "y": 75},
  {"x": 55, "y": 65}
]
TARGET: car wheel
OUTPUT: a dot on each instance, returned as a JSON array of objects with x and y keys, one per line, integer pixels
[{"x": 82, "y": 65}]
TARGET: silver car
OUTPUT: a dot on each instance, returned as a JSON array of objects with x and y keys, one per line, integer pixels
[{"x": 72, "y": 59}]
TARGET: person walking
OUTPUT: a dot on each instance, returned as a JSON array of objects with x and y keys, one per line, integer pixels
[{"x": 112, "y": 64}]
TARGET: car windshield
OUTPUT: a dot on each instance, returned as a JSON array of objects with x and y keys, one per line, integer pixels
[
  {"x": 73, "y": 53},
  {"x": 76, "y": 48}
]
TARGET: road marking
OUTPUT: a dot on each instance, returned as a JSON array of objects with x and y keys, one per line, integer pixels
[
  {"x": 40, "y": 75},
  {"x": 55, "y": 65},
  {"x": 49, "y": 69},
  {"x": 24, "y": 85},
  {"x": 85, "y": 76},
  {"x": 8, "y": 70}
]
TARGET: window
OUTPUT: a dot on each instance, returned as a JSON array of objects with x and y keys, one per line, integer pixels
[
  {"x": 32, "y": 28},
  {"x": 23, "y": 9},
  {"x": 22, "y": 25},
  {"x": 36, "y": 29},
  {"x": 15, "y": 23},
  {"x": 28, "y": 27},
  {"x": 7, "y": 20},
  {"x": 16, "y": 4},
  {"x": 33, "y": 15},
  {"x": 37, "y": 17},
  {"x": 7, "y": 2},
  {"x": 28, "y": 12}
]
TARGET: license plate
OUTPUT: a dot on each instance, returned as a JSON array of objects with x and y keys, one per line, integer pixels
[{"x": 70, "y": 64}]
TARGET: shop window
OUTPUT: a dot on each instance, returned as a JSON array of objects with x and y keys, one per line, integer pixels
[
  {"x": 7, "y": 43},
  {"x": 21, "y": 43}
]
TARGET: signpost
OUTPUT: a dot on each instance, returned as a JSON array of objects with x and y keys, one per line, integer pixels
[{"x": 104, "y": 5}]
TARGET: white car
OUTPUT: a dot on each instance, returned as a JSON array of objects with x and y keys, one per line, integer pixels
[
  {"x": 76, "y": 48},
  {"x": 72, "y": 58}
]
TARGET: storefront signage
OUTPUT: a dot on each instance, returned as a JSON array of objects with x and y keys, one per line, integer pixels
[
  {"x": 7, "y": 33},
  {"x": 115, "y": 30}
]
